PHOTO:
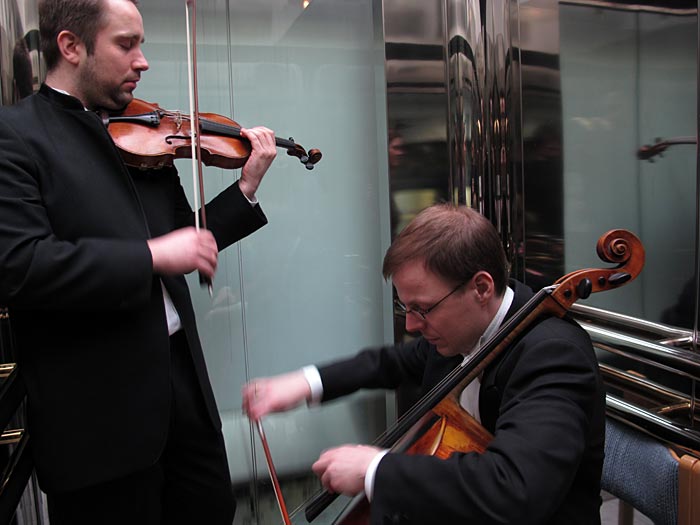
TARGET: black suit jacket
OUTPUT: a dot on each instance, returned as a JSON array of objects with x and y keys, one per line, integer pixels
[
  {"x": 543, "y": 401},
  {"x": 86, "y": 309}
]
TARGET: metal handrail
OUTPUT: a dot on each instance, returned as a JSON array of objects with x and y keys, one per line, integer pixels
[
  {"x": 653, "y": 389},
  {"x": 15, "y": 475},
  {"x": 656, "y": 426},
  {"x": 12, "y": 393},
  {"x": 650, "y": 343},
  {"x": 677, "y": 360},
  {"x": 582, "y": 311},
  {"x": 637, "y": 8}
]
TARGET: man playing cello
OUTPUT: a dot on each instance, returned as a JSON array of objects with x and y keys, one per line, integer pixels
[{"x": 542, "y": 398}]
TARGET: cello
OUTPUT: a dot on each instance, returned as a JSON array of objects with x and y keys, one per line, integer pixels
[{"x": 438, "y": 425}]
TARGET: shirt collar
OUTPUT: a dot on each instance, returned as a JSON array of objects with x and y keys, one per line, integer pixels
[{"x": 497, "y": 320}]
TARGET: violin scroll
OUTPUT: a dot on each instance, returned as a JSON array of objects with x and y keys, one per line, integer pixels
[
  {"x": 649, "y": 151},
  {"x": 296, "y": 150}
]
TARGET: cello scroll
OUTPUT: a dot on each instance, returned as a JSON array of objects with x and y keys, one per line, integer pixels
[{"x": 615, "y": 246}]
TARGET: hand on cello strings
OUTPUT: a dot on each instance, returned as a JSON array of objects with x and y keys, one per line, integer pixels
[{"x": 342, "y": 470}]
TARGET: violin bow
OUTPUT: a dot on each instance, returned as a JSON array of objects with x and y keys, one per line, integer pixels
[
  {"x": 198, "y": 187},
  {"x": 195, "y": 142}
]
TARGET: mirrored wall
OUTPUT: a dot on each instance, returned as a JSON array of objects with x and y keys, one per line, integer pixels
[{"x": 629, "y": 87}]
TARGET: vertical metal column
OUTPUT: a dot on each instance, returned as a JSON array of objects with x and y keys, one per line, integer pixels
[
  {"x": 697, "y": 197},
  {"x": 467, "y": 133},
  {"x": 482, "y": 96}
]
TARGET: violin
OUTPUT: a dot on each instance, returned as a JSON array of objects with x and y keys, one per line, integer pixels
[
  {"x": 149, "y": 136},
  {"x": 649, "y": 151},
  {"x": 437, "y": 424}
]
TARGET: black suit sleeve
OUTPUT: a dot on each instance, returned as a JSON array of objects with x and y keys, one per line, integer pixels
[
  {"x": 385, "y": 367},
  {"x": 44, "y": 270},
  {"x": 230, "y": 217}
]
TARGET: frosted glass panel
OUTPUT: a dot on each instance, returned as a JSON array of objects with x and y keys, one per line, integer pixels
[{"x": 308, "y": 287}]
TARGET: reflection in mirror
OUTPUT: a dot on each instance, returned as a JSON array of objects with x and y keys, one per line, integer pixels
[
  {"x": 20, "y": 64},
  {"x": 629, "y": 76}
]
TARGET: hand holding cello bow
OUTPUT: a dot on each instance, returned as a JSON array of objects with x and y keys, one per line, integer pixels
[{"x": 538, "y": 402}]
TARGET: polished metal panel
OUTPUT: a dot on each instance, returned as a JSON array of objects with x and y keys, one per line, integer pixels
[
  {"x": 501, "y": 95},
  {"x": 660, "y": 7},
  {"x": 20, "y": 63},
  {"x": 452, "y": 87},
  {"x": 696, "y": 298},
  {"x": 480, "y": 101},
  {"x": 416, "y": 96},
  {"x": 538, "y": 199},
  {"x": 466, "y": 78}
]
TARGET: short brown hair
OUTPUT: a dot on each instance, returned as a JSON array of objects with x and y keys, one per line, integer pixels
[
  {"x": 455, "y": 242},
  {"x": 83, "y": 18}
]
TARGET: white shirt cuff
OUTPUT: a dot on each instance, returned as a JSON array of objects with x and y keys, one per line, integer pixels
[
  {"x": 371, "y": 471},
  {"x": 252, "y": 201},
  {"x": 314, "y": 379}
]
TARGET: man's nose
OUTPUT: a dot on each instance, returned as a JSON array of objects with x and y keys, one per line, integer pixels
[
  {"x": 414, "y": 322},
  {"x": 140, "y": 63}
]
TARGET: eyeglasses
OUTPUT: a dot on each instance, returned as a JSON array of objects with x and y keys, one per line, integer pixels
[{"x": 402, "y": 309}]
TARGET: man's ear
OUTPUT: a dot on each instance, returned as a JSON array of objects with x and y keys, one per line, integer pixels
[
  {"x": 483, "y": 285},
  {"x": 71, "y": 47}
]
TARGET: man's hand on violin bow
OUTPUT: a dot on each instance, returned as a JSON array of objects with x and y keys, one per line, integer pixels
[
  {"x": 183, "y": 251},
  {"x": 263, "y": 152}
]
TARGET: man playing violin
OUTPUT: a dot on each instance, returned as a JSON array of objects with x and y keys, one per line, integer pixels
[
  {"x": 123, "y": 422},
  {"x": 542, "y": 398}
]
